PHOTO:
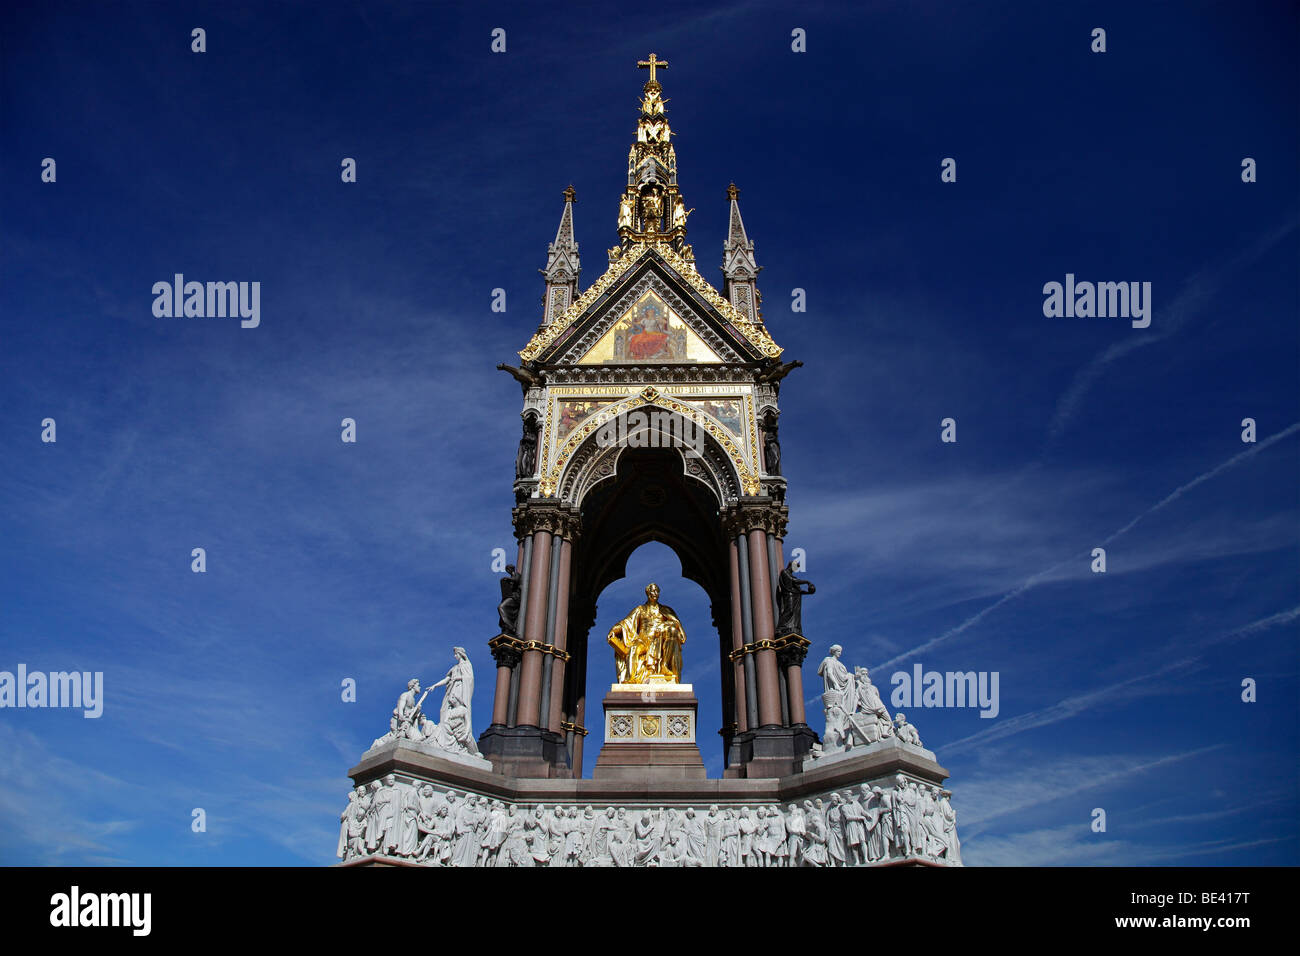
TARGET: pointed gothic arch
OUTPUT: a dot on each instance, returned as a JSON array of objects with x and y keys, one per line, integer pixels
[{"x": 707, "y": 455}]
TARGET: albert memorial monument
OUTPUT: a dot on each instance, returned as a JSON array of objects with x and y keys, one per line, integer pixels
[{"x": 649, "y": 414}]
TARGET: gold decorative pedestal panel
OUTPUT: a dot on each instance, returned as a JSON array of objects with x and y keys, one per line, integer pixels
[{"x": 650, "y": 733}]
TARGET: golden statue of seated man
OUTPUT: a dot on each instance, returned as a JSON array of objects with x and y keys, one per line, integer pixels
[{"x": 648, "y": 643}]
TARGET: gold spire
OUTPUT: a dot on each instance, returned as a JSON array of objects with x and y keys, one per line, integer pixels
[{"x": 651, "y": 208}]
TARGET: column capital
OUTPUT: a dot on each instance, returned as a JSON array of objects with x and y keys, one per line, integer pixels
[
  {"x": 547, "y": 514},
  {"x": 756, "y": 513},
  {"x": 506, "y": 650},
  {"x": 791, "y": 649}
]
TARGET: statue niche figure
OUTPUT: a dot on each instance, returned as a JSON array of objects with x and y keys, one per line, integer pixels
[
  {"x": 771, "y": 445},
  {"x": 508, "y": 609},
  {"x": 526, "y": 457},
  {"x": 790, "y": 592},
  {"x": 648, "y": 643}
]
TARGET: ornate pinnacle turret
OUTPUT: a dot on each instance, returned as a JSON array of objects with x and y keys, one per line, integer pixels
[
  {"x": 652, "y": 209},
  {"x": 739, "y": 268},
  {"x": 562, "y": 264}
]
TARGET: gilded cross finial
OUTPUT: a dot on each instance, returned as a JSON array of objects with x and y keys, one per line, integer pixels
[
  {"x": 650, "y": 65},
  {"x": 732, "y": 191},
  {"x": 570, "y": 194}
]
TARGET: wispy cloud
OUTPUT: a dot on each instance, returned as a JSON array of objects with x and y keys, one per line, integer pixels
[
  {"x": 986, "y": 798},
  {"x": 1195, "y": 295},
  {"x": 1035, "y": 579},
  {"x": 1132, "y": 688}
]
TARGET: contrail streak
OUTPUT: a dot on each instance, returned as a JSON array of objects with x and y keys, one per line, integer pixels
[{"x": 1035, "y": 579}]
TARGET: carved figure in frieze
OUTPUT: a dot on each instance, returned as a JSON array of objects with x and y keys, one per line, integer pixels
[
  {"x": 696, "y": 838},
  {"x": 796, "y": 828},
  {"x": 495, "y": 836},
  {"x": 407, "y": 840},
  {"x": 949, "y": 817},
  {"x": 467, "y": 845},
  {"x": 713, "y": 824},
  {"x": 916, "y": 802},
  {"x": 835, "y": 844},
  {"x": 622, "y": 844},
  {"x": 558, "y": 826},
  {"x": 579, "y": 836},
  {"x": 603, "y": 828},
  {"x": 936, "y": 843},
  {"x": 747, "y": 823},
  {"x": 374, "y": 829},
  {"x": 646, "y": 834},
  {"x": 815, "y": 852},
  {"x": 514, "y": 849},
  {"x": 426, "y": 822},
  {"x": 385, "y": 810},
  {"x": 855, "y": 829},
  {"x": 777, "y": 853},
  {"x": 537, "y": 834},
  {"x": 889, "y": 819},
  {"x": 905, "y": 817},
  {"x": 730, "y": 838},
  {"x": 346, "y": 821}
]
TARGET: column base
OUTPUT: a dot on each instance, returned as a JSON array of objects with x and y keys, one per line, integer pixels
[
  {"x": 772, "y": 751},
  {"x": 526, "y": 752}
]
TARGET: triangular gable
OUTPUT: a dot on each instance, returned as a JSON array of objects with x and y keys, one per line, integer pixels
[
  {"x": 649, "y": 331},
  {"x": 587, "y": 332}
]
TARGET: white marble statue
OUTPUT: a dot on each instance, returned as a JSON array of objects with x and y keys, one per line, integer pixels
[
  {"x": 906, "y": 732},
  {"x": 856, "y": 715},
  {"x": 453, "y": 731},
  {"x": 837, "y": 699},
  {"x": 869, "y": 720}
]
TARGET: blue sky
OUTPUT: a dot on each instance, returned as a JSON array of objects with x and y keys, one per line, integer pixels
[{"x": 1118, "y": 690}]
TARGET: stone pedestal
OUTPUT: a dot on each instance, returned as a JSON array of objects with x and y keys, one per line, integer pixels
[
  {"x": 650, "y": 734},
  {"x": 415, "y": 783}
]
